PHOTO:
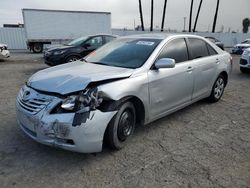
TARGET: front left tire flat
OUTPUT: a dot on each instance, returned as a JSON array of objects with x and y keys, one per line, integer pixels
[{"x": 121, "y": 126}]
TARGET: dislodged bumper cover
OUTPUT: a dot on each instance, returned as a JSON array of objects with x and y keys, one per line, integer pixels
[{"x": 57, "y": 130}]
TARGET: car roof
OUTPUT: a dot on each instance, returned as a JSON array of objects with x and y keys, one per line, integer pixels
[{"x": 161, "y": 36}]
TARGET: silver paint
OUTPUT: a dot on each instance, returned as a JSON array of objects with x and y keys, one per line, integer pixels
[{"x": 161, "y": 91}]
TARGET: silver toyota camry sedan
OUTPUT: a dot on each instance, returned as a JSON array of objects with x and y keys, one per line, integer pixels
[{"x": 131, "y": 81}]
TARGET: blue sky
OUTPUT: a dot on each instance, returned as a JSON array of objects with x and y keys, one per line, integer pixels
[{"x": 125, "y": 12}]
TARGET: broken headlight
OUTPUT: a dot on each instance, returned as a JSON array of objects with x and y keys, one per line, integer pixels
[{"x": 88, "y": 98}]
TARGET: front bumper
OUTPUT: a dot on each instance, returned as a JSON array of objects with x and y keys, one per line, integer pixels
[
  {"x": 4, "y": 53},
  {"x": 245, "y": 61},
  {"x": 56, "y": 129},
  {"x": 53, "y": 60}
]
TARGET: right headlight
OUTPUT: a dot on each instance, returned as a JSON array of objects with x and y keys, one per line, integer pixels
[
  {"x": 59, "y": 52},
  {"x": 88, "y": 98},
  {"x": 69, "y": 103},
  {"x": 246, "y": 52}
]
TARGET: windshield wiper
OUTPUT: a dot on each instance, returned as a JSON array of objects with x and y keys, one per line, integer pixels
[{"x": 99, "y": 63}]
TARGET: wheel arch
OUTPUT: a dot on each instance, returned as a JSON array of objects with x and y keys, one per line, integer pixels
[
  {"x": 114, "y": 105},
  {"x": 225, "y": 75}
]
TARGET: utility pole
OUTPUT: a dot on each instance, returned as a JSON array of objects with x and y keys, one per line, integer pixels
[
  {"x": 163, "y": 16},
  {"x": 184, "y": 28},
  {"x": 152, "y": 15},
  {"x": 190, "y": 16},
  {"x": 141, "y": 15},
  {"x": 197, "y": 16}
]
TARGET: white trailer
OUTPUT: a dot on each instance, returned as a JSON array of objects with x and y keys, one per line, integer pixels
[{"x": 57, "y": 26}]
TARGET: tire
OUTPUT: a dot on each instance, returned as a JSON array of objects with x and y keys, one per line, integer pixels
[
  {"x": 72, "y": 58},
  {"x": 218, "y": 89},
  {"x": 121, "y": 127},
  {"x": 37, "y": 48},
  {"x": 243, "y": 70}
]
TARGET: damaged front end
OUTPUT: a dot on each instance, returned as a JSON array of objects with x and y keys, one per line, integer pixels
[
  {"x": 82, "y": 104},
  {"x": 74, "y": 122}
]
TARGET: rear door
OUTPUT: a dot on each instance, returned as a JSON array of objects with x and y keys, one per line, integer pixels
[
  {"x": 204, "y": 61},
  {"x": 170, "y": 88}
]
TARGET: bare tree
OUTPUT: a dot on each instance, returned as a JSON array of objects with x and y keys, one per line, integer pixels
[
  {"x": 215, "y": 16},
  {"x": 152, "y": 15},
  {"x": 141, "y": 15},
  {"x": 197, "y": 16},
  {"x": 163, "y": 16},
  {"x": 190, "y": 16}
]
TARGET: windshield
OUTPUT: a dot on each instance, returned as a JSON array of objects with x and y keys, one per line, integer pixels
[
  {"x": 77, "y": 41},
  {"x": 124, "y": 52}
]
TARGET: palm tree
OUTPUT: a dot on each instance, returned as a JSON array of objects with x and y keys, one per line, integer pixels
[
  {"x": 215, "y": 16},
  {"x": 163, "y": 16},
  {"x": 140, "y": 10},
  {"x": 245, "y": 24},
  {"x": 197, "y": 16},
  {"x": 152, "y": 15},
  {"x": 190, "y": 16}
]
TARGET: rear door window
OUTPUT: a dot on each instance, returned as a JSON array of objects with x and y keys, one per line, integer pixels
[
  {"x": 197, "y": 48},
  {"x": 175, "y": 49},
  {"x": 211, "y": 50}
]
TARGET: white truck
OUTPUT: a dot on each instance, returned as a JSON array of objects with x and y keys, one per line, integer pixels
[{"x": 59, "y": 26}]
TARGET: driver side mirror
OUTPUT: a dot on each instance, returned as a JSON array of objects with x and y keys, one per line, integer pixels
[{"x": 165, "y": 63}]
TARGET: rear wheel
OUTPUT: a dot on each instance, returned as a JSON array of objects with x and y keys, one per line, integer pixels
[
  {"x": 218, "y": 89},
  {"x": 121, "y": 126},
  {"x": 37, "y": 48},
  {"x": 72, "y": 58}
]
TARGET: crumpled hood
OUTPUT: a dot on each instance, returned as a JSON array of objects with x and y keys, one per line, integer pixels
[{"x": 73, "y": 77}]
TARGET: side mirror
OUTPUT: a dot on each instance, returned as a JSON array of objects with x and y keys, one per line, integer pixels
[
  {"x": 86, "y": 45},
  {"x": 165, "y": 63}
]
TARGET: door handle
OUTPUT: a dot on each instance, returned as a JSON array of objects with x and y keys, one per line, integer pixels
[
  {"x": 190, "y": 69},
  {"x": 217, "y": 61}
]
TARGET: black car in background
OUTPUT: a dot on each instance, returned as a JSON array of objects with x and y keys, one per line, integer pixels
[
  {"x": 76, "y": 49},
  {"x": 216, "y": 41}
]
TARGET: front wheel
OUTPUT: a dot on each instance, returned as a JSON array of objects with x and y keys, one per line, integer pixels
[
  {"x": 72, "y": 58},
  {"x": 121, "y": 126},
  {"x": 218, "y": 89}
]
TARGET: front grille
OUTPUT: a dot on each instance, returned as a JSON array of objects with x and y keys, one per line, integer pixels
[
  {"x": 243, "y": 62},
  {"x": 33, "y": 105}
]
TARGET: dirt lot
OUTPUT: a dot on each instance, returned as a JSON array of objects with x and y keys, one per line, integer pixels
[{"x": 204, "y": 145}]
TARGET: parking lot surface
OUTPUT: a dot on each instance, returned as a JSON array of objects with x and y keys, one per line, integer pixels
[{"x": 203, "y": 145}]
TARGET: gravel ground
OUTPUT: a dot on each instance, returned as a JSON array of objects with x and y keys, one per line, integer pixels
[{"x": 203, "y": 145}]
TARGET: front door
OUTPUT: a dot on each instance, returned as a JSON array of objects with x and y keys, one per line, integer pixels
[{"x": 171, "y": 88}]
